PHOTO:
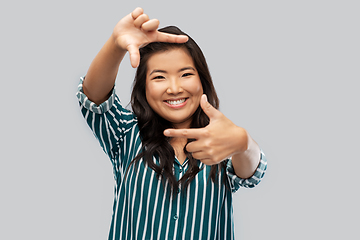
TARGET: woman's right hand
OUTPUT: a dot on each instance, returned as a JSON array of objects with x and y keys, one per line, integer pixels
[
  {"x": 136, "y": 30},
  {"x": 130, "y": 33}
]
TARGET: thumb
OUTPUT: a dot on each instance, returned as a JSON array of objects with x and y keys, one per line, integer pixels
[
  {"x": 134, "y": 55},
  {"x": 209, "y": 110}
]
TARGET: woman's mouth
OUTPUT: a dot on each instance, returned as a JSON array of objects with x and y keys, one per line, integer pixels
[{"x": 176, "y": 103}]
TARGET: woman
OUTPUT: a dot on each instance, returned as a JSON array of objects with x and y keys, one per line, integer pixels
[{"x": 176, "y": 158}]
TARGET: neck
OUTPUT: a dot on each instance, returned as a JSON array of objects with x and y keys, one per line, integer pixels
[
  {"x": 178, "y": 145},
  {"x": 183, "y": 125}
]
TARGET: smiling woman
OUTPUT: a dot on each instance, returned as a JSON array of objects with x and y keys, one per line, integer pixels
[
  {"x": 171, "y": 73},
  {"x": 173, "y": 92},
  {"x": 176, "y": 158}
]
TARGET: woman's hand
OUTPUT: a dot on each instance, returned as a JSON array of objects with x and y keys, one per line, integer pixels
[
  {"x": 130, "y": 33},
  {"x": 219, "y": 140},
  {"x": 136, "y": 30}
]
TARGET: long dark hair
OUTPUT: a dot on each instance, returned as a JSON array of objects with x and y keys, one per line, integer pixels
[{"x": 151, "y": 125}]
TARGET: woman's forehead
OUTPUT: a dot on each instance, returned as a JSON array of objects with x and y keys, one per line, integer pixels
[{"x": 170, "y": 60}]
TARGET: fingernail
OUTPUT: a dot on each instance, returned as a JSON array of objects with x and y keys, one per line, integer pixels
[{"x": 205, "y": 97}]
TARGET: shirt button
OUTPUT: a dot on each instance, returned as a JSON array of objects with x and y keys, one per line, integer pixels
[
  {"x": 180, "y": 170},
  {"x": 176, "y": 217}
]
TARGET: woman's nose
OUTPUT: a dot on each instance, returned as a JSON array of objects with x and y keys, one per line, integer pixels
[{"x": 174, "y": 87}]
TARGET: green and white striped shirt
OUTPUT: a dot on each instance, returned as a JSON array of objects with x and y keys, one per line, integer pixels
[{"x": 143, "y": 208}]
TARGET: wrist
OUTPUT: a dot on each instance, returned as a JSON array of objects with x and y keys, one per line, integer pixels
[
  {"x": 247, "y": 147},
  {"x": 243, "y": 141},
  {"x": 115, "y": 47},
  {"x": 245, "y": 161}
]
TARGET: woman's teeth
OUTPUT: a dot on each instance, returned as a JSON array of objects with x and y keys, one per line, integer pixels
[{"x": 176, "y": 102}]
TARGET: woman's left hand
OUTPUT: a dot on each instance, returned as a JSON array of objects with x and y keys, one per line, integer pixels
[{"x": 219, "y": 140}]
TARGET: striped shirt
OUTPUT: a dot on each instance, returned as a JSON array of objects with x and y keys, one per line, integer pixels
[{"x": 143, "y": 207}]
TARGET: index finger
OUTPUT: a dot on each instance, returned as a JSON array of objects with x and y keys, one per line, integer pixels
[
  {"x": 171, "y": 38},
  {"x": 183, "y": 133}
]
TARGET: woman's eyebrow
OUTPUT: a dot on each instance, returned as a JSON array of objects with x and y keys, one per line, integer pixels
[
  {"x": 163, "y": 71},
  {"x": 157, "y": 71},
  {"x": 187, "y": 68}
]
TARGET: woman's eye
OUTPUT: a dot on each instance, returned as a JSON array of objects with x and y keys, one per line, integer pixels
[
  {"x": 187, "y": 74},
  {"x": 159, "y": 77}
]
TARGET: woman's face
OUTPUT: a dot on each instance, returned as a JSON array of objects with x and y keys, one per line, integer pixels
[{"x": 173, "y": 86}]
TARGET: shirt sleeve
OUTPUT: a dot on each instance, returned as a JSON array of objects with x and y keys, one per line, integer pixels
[
  {"x": 237, "y": 182},
  {"x": 109, "y": 122}
]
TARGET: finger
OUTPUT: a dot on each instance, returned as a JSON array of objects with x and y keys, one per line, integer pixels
[
  {"x": 140, "y": 20},
  {"x": 172, "y": 38},
  {"x": 137, "y": 12},
  {"x": 209, "y": 110},
  {"x": 195, "y": 146},
  {"x": 199, "y": 155},
  {"x": 204, "y": 158},
  {"x": 150, "y": 25},
  {"x": 184, "y": 133},
  {"x": 208, "y": 161},
  {"x": 134, "y": 55}
]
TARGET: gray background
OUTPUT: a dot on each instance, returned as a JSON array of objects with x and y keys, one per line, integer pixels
[{"x": 287, "y": 71}]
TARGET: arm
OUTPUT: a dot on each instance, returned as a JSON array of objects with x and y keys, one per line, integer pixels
[
  {"x": 245, "y": 162},
  {"x": 100, "y": 78},
  {"x": 130, "y": 33}
]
